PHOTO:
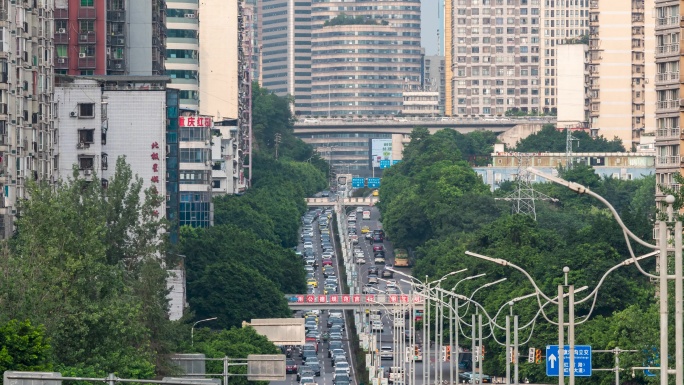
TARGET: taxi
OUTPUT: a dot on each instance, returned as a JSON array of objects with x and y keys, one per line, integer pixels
[
  {"x": 375, "y": 193},
  {"x": 365, "y": 229},
  {"x": 312, "y": 283}
]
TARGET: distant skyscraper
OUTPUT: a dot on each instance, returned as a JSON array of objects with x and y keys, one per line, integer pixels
[
  {"x": 364, "y": 54},
  {"x": 492, "y": 56},
  {"x": 433, "y": 78},
  {"x": 182, "y": 51},
  {"x": 622, "y": 70},
  {"x": 563, "y": 22},
  {"x": 109, "y": 37},
  {"x": 285, "y": 45}
]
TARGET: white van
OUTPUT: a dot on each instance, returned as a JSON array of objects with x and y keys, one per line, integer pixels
[{"x": 366, "y": 214}]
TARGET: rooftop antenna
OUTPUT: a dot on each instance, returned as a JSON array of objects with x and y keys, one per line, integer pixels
[{"x": 524, "y": 197}]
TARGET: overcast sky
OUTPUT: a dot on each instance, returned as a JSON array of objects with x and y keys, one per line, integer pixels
[{"x": 429, "y": 25}]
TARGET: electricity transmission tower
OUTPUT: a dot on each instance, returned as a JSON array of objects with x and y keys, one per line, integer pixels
[{"x": 524, "y": 197}]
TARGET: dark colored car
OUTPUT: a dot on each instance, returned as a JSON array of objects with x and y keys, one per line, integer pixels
[
  {"x": 290, "y": 366},
  {"x": 316, "y": 367},
  {"x": 334, "y": 345},
  {"x": 302, "y": 370},
  {"x": 373, "y": 270},
  {"x": 387, "y": 274}
]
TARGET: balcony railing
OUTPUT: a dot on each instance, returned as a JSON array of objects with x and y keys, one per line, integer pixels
[
  {"x": 667, "y": 49},
  {"x": 667, "y": 76},
  {"x": 663, "y": 133},
  {"x": 668, "y": 160},
  {"x": 668, "y": 104},
  {"x": 660, "y": 187}
]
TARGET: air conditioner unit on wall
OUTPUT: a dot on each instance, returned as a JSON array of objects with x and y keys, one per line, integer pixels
[
  {"x": 61, "y": 30},
  {"x": 81, "y": 55},
  {"x": 61, "y": 60}
]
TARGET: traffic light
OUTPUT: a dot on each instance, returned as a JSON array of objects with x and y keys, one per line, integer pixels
[
  {"x": 477, "y": 354},
  {"x": 537, "y": 357},
  {"x": 483, "y": 352},
  {"x": 448, "y": 354},
  {"x": 530, "y": 355}
]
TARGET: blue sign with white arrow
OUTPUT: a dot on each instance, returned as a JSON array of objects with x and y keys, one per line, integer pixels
[
  {"x": 582, "y": 361},
  {"x": 358, "y": 182},
  {"x": 385, "y": 163},
  {"x": 373, "y": 182},
  {"x": 395, "y": 162}
]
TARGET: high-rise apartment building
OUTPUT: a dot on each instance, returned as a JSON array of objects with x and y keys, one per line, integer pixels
[
  {"x": 285, "y": 46},
  {"x": 109, "y": 37},
  {"x": 668, "y": 86},
  {"x": 622, "y": 47},
  {"x": 564, "y": 22},
  {"x": 26, "y": 102},
  {"x": 492, "y": 50},
  {"x": 182, "y": 50},
  {"x": 364, "y": 54},
  {"x": 433, "y": 78}
]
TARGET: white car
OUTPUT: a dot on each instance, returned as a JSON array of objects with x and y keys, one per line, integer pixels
[
  {"x": 360, "y": 260},
  {"x": 307, "y": 381},
  {"x": 342, "y": 366},
  {"x": 376, "y": 326},
  {"x": 341, "y": 372},
  {"x": 359, "y": 209}
]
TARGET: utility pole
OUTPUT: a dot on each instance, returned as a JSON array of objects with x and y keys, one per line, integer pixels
[{"x": 278, "y": 138}]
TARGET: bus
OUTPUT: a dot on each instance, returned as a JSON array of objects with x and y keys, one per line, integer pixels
[{"x": 401, "y": 258}]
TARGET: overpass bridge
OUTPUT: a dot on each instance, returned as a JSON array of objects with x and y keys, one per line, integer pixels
[
  {"x": 360, "y": 201},
  {"x": 352, "y": 301}
]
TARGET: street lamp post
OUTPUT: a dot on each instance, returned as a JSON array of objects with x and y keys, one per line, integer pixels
[
  {"x": 662, "y": 277},
  {"x": 192, "y": 329}
]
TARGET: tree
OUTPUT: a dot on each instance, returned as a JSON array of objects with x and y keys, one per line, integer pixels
[
  {"x": 86, "y": 264},
  {"x": 23, "y": 347},
  {"x": 549, "y": 139}
]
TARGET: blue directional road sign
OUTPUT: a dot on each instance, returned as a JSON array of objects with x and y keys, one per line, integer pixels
[
  {"x": 395, "y": 162},
  {"x": 358, "y": 182},
  {"x": 385, "y": 163},
  {"x": 582, "y": 361},
  {"x": 373, "y": 182}
]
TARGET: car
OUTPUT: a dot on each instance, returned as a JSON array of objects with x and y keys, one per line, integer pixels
[
  {"x": 343, "y": 365},
  {"x": 337, "y": 328},
  {"x": 316, "y": 367},
  {"x": 304, "y": 371},
  {"x": 373, "y": 270},
  {"x": 387, "y": 274},
  {"x": 327, "y": 262},
  {"x": 335, "y": 321},
  {"x": 332, "y": 345},
  {"x": 330, "y": 289},
  {"x": 379, "y": 260},
  {"x": 337, "y": 352},
  {"x": 324, "y": 194},
  {"x": 307, "y": 381},
  {"x": 311, "y": 325},
  {"x": 335, "y": 336},
  {"x": 376, "y": 326},
  {"x": 474, "y": 378},
  {"x": 376, "y": 193},
  {"x": 372, "y": 279},
  {"x": 391, "y": 282},
  {"x": 312, "y": 283},
  {"x": 386, "y": 352},
  {"x": 378, "y": 248},
  {"x": 392, "y": 290},
  {"x": 290, "y": 366},
  {"x": 308, "y": 245},
  {"x": 359, "y": 209},
  {"x": 311, "y": 318},
  {"x": 365, "y": 229}
]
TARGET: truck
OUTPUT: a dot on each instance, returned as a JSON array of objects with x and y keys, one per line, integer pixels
[{"x": 401, "y": 258}]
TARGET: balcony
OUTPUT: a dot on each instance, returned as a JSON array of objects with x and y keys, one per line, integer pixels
[
  {"x": 86, "y": 62},
  {"x": 116, "y": 16},
  {"x": 668, "y": 160},
  {"x": 61, "y": 38},
  {"x": 116, "y": 39},
  {"x": 668, "y": 133},
  {"x": 116, "y": 64},
  {"x": 87, "y": 37},
  {"x": 668, "y": 104},
  {"x": 667, "y": 77},
  {"x": 87, "y": 13},
  {"x": 668, "y": 49},
  {"x": 61, "y": 13},
  {"x": 62, "y": 63}
]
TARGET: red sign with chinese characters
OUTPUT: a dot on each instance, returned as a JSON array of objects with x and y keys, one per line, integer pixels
[{"x": 194, "y": 121}]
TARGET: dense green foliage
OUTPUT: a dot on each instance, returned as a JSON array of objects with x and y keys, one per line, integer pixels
[
  {"x": 84, "y": 265},
  {"x": 344, "y": 19},
  {"x": 240, "y": 268},
  {"x": 551, "y": 140},
  {"x": 435, "y": 204}
]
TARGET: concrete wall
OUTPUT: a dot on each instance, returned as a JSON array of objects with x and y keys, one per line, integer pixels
[
  {"x": 218, "y": 59},
  {"x": 519, "y": 132}
]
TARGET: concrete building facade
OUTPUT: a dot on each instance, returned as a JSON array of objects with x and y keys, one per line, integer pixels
[
  {"x": 564, "y": 22},
  {"x": 434, "y": 77},
  {"x": 669, "y": 85},
  {"x": 285, "y": 47},
  {"x": 101, "y": 119},
  {"x": 493, "y": 57},
  {"x": 109, "y": 37},
  {"x": 26, "y": 102},
  {"x": 182, "y": 50},
  {"x": 225, "y": 168},
  {"x": 420, "y": 103},
  {"x": 365, "y": 53},
  {"x": 218, "y": 50},
  {"x": 572, "y": 90},
  {"x": 622, "y": 45}
]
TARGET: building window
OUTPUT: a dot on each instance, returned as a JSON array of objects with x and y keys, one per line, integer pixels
[
  {"x": 87, "y": 3},
  {"x": 87, "y": 50},
  {"x": 216, "y": 183},
  {"x": 86, "y": 26},
  {"x": 61, "y": 50},
  {"x": 86, "y": 136},
  {"x": 86, "y": 162},
  {"x": 86, "y": 110}
]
